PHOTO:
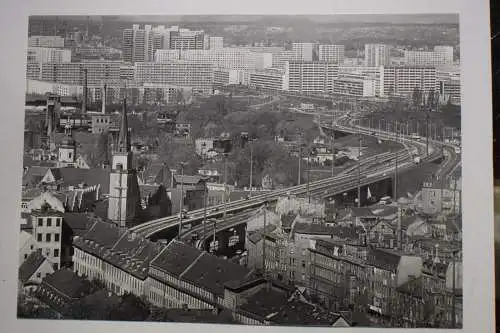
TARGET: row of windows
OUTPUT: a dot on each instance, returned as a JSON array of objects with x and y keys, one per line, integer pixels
[
  {"x": 48, "y": 237},
  {"x": 49, "y": 222}
]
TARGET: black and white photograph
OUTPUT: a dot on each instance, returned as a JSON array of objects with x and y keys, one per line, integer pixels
[{"x": 276, "y": 170}]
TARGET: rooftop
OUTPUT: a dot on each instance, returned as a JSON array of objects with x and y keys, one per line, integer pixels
[
  {"x": 176, "y": 257},
  {"x": 212, "y": 272},
  {"x": 383, "y": 259},
  {"x": 31, "y": 265},
  {"x": 278, "y": 308},
  {"x": 67, "y": 283}
]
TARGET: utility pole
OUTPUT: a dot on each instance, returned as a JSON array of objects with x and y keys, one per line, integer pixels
[
  {"x": 181, "y": 200},
  {"x": 427, "y": 133},
  {"x": 308, "y": 174},
  {"x": 300, "y": 158},
  {"x": 453, "y": 297},
  {"x": 213, "y": 240},
  {"x": 264, "y": 239},
  {"x": 251, "y": 167},
  {"x": 205, "y": 194},
  {"x": 396, "y": 177},
  {"x": 225, "y": 184},
  {"x": 359, "y": 171},
  {"x": 332, "y": 143}
]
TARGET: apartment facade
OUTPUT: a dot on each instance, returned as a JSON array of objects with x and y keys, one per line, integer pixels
[
  {"x": 402, "y": 80},
  {"x": 269, "y": 80},
  {"x": 311, "y": 77},
  {"x": 231, "y": 58},
  {"x": 377, "y": 55},
  {"x": 74, "y": 73},
  {"x": 199, "y": 76},
  {"x": 354, "y": 85},
  {"x": 138, "y": 44},
  {"x": 46, "y": 41},
  {"x": 303, "y": 51},
  {"x": 331, "y": 53},
  {"x": 47, "y": 54}
]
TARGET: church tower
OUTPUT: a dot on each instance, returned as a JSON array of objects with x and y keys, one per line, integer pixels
[
  {"x": 124, "y": 197},
  {"x": 67, "y": 152}
]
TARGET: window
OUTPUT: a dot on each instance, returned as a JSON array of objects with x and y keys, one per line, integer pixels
[
  {"x": 39, "y": 237},
  {"x": 56, "y": 253},
  {"x": 58, "y": 222},
  {"x": 55, "y": 266},
  {"x": 49, "y": 222},
  {"x": 38, "y": 275},
  {"x": 56, "y": 237},
  {"x": 40, "y": 222},
  {"x": 31, "y": 247},
  {"x": 25, "y": 256},
  {"x": 48, "y": 237}
]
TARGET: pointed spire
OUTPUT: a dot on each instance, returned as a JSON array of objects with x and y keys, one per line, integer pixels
[{"x": 124, "y": 138}]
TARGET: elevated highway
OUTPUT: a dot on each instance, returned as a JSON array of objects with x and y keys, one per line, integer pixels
[{"x": 371, "y": 169}]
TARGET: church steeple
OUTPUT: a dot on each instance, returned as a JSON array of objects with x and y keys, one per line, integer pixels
[{"x": 124, "y": 137}]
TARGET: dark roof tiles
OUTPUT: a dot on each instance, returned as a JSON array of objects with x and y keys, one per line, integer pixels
[{"x": 31, "y": 265}]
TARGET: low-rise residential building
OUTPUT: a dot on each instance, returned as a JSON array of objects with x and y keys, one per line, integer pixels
[{"x": 34, "y": 268}]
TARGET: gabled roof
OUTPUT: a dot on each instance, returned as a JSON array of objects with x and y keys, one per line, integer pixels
[
  {"x": 176, "y": 258},
  {"x": 34, "y": 175},
  {"x": 76, "y": 176},
  {"x": 211, "y": 273},
  {"x": 123, "y": 249},
  {"x": 31, "y": 265},
  {"x": 67, "y": 283}
]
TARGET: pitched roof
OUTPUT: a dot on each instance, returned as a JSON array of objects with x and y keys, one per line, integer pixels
[
  {"x": 256, "y": 235},
  {"x": 31, "y": 265},
  {"x": 362, "y": 212},
  {"x": 383, "y": 259},
  {"x": 188, "y": 180},
  {"x": 79, "y": 223},
  {"x": 67, "y": 283},
  {"x": 148, "y": 190},
  {"x": 323, "y": 229},
  {"x": 278, "y": 308},
  {"x": 211, "y": 272},
  {"x": 76, "y": 176},
  {"x": 176, "y": 257},
  {"x": 123, "y": 249},
  {"x": 34, "y": 175}
]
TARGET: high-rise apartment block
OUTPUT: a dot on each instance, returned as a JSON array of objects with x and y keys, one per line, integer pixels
[
  {"x": 303, "y": 51},
  {"x": 311, "y": 77},
  {"x": 215, "y": 42},
  {"x": 138, "y": 44},
  {"x": 402, "y": 80},
  {"x": 441, "y": 56},
  {"x": 377, "y": 55},
  {"x": 48, "y": 54},
  {"x": 74, "y": 73},
  {"x": 332, "y": 53},
  {"x": 45, "y": 41},
  {"x": 197, "y": 75},
  {"x": 232, "y": 58}
]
